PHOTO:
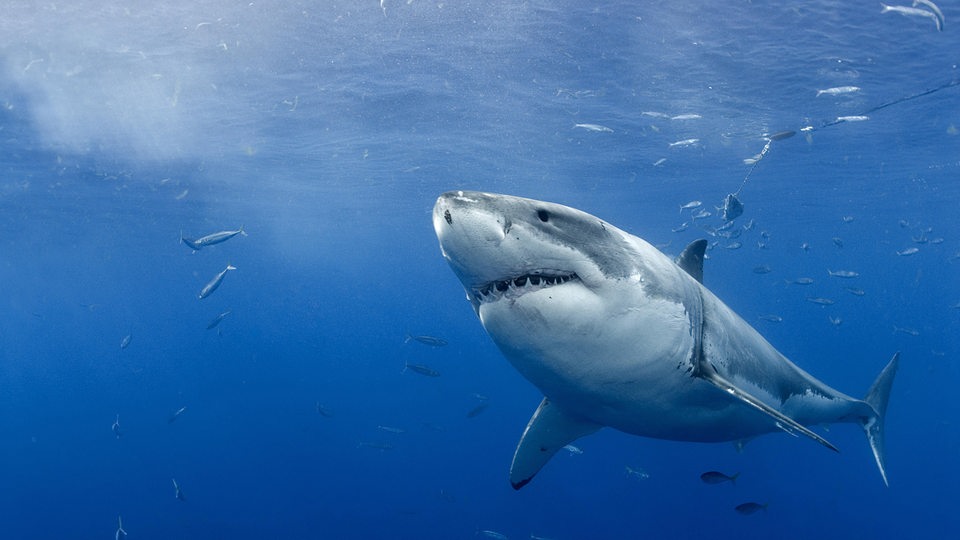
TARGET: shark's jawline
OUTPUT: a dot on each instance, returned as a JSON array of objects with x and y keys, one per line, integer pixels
[
  {"x": 625, "y": 337},
  {"x": 516, "y": 286}
]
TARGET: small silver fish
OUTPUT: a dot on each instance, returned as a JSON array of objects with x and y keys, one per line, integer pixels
[
  {"x": 216, "y": 320},
  {"x": 324, "y": 411},
  {"x": 726, "y": 227},
  {"x": 421, "y": 369},
  {"x": 125, "y": 341},
  {"x": 846, "y": 274},
  {"x": 836, "y": 321},
  {"x": 686, "y": 117},
  {"x": 573, "y": 449},
  {"x": 690, "y": 205},
  {"x": 685, "y": 142},
  {"x": 175, "y": 415},
  {"x": 391, "y": 429},
  {"x": 908, "y": 331},
  {"x": 909, "y": 251},
  {"x": 427, "y": 340},
  {"x": 802, "y": 281},
  {"x": 208, "y": 289},
  {"x": 855, "y": 291},
  {"x": 762, "y": 269},
  {"x": 637, "y": 473},
  {"x": 594, "y": 127},
  {"x": 474, "y": 412},
  {"x": 771, "y": 318},
  {"x": 821, "y": 301},
  {"x": 375, "y": 445},
  {"x": 781, "y": 135},
  {"x": 859, "y": 118},
  {"x": 210, "y": 239},
  {"x": 120, "y": 532},
  {"x": 748, "y": 508},
  {"x": 717, "y": 477},
  {"x": 177, "y": 493},
  {"x": 492, "y": 534},
  {"x": 838, "y": 90}
]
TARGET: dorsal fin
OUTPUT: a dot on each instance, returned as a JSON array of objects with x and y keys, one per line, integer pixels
[{"x": 691, "y": 260}]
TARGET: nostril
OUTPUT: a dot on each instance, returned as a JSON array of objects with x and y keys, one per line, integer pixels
[
  {"x": 543, "y": 215},
  {"x": 446, "y": 216}
]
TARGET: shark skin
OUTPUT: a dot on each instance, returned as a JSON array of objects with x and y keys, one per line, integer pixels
[{"x": 615, "y": 333}]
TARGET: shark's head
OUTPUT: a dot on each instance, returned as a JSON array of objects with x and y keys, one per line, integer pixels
[
  {"x": 555, "y": 287},
  {"x": 504, "y": 248}
]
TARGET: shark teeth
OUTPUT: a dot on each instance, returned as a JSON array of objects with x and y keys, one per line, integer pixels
[{"x": 514, "y": 287}]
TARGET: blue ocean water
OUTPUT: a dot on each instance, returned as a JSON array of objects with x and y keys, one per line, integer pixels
[{"x": 327, "y": 130}]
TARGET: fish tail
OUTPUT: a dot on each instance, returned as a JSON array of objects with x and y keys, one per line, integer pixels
[
  {"x": 190, "y": 243},
  {"x": 884, "y": 8},
  {"x": 733, "y": 478},
  {"x": 877, "y": 398},
  {"x": 243, "y": 232},
  {"x": 231, "y": 267}
]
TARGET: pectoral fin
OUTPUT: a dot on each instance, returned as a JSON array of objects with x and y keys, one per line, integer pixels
[
  {"x": 549, "y": 430},
  {"x": 782, "y": 421}
]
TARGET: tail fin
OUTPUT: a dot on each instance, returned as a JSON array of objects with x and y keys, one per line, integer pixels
[
  {"x": 877, "y": 398},
  {"x": 192, "y": 244}
]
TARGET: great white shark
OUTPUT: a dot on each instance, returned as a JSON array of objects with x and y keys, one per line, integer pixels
[{"x": 615, "y": 333}]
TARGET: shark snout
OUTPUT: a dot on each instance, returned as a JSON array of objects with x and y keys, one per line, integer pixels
[{"x": 465, "y": 219}]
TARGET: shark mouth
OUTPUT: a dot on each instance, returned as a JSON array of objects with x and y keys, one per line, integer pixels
[{"x": 515, "y": 287}]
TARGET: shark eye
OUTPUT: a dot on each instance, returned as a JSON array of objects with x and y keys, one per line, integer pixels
[{"x": 543, "y": 215}]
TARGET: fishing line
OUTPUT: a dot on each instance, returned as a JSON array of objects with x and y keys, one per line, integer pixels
[
  {"x": 732, "y": 207},
  {"x": 951, "y": 84}
]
